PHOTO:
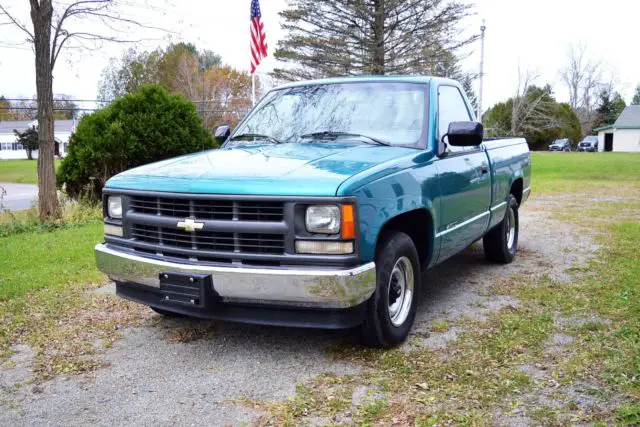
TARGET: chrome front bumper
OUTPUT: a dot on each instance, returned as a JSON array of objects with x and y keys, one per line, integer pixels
[{"x": 300, "y": 287}]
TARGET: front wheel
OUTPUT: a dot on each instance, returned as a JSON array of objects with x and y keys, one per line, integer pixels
[
  {"x": 392, "y": 308},
  {"x": 501, "y": 243}
]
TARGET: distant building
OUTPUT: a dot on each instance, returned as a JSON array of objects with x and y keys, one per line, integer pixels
[
  {"x": 624, "y": 134},
  {"x": 11, "y": 150}
]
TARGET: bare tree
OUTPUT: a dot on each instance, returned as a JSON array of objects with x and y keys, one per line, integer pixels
[
  {"x": 54, "y": 28},
  {"x": 582, "y": 76},
  {"x": 533, "y": 107}
]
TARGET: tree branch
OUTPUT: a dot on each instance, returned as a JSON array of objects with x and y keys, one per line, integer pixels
[{"x": 15, "y": 22}]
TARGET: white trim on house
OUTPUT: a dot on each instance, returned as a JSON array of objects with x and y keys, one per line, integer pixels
[{"x": 10, "y": 150}]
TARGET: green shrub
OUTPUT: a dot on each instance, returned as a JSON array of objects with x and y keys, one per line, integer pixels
[{"x": 139, "y": 128}]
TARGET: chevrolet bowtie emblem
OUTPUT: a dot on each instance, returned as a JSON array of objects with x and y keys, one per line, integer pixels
[{"x": 190, "y": 225}]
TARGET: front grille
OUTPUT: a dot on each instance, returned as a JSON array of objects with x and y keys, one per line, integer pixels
[
  {"x": 212, "y": 241},
  {"x": 224, "y": 210},
  {"x": 261, "y": 243},
  {"x": 246, "y": 231}
]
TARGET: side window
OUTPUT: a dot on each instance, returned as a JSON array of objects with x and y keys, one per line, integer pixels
[{"x": 451, "y": 108}]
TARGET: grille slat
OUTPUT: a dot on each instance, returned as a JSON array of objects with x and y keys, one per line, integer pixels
[
  {"x": 208, "y": 240},
  {"x": 209, "y": 209}
]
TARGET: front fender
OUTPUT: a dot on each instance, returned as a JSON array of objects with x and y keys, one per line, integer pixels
[{"x": 384, "y": 199}]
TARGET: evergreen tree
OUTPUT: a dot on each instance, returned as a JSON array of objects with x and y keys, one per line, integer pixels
[
  {"x": 28, "y": 139},
  {"x": 609, "y": 108},
  {"x": 347, "y": 37},
  {"x": 536, "y": 116},
  {"x": 636, "y": 97}
]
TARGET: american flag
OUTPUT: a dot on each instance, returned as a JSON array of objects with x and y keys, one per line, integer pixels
[{"x": 258, "y": 38}]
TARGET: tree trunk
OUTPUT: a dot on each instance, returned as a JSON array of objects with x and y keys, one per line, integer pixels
[
  {"x": 47, "y": 196},
  {"x": 378, "y": 38}
]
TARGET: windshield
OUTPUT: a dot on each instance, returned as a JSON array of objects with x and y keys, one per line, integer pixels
[
  {"x": 394, "y": 113},
  {"x": 559, "y": 141},
  {"x": 590, "y": 139}
]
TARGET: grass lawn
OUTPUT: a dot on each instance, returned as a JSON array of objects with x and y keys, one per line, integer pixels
[
  {"x": 31, "y": 261},
  {"x": 20, "y": 171},
  {"x": 581, "y": 172}
]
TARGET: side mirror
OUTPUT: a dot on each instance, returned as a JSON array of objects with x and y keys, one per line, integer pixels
[
  {"x": 223, "y": 132},
  {"x": 465, "y": 134}
]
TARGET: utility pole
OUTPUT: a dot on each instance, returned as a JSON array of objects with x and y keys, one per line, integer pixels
[
  {"x": 203, "y": 104},
  {"x": 482, "y": 30}
]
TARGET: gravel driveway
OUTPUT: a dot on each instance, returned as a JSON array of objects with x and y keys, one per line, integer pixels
[{"x": 154, "y": 380}]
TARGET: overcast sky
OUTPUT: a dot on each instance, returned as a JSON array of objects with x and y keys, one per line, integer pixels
[{"x": 534, "y": 34}]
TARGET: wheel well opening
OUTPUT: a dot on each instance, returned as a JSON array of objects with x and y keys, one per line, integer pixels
[
  {"x": 517, "y": 189},
  {"x": 418, "y": 225}
]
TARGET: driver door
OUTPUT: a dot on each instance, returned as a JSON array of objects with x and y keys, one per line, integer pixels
[{"x": 464, "y": 179}]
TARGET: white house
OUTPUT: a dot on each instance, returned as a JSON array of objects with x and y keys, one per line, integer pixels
[
  {"x": 624, "y": 134},
  {"x": 10, "y": 149}
]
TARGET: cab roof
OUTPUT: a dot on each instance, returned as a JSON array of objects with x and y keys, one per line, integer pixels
[{"x": 370, "y": 79}]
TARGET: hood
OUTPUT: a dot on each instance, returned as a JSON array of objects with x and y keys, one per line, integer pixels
[{"x": 283, "y": 169}]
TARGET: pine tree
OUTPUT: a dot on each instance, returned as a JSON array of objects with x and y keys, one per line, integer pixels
[
  {"x": 354, "y": 37},
  {"x": 29, "y": 140},
  {"x": 636, "y": 97},
  {"x": 609, "y": 108}
]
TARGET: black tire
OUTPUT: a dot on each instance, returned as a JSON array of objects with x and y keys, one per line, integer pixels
[
  {"x": 166, "y": 313},
  {"x": 396, "y": 260},
  {"x": 498, "y": 247}
]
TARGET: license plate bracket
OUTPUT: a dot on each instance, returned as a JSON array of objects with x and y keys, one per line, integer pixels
[{"x": 192, "y": 290}]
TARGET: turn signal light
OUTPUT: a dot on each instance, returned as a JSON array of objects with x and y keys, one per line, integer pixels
[{"x": 348, "y": 223}]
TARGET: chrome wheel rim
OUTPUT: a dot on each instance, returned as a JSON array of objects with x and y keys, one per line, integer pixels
[
  {"x": 400, "y": 291},
  {"x": 511, "y": 228}
]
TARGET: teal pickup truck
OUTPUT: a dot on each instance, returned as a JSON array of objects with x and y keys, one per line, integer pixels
[{"x": 322, "y": 208}]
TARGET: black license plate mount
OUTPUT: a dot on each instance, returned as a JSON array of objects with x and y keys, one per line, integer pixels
[{"x": 185, "y": 288}]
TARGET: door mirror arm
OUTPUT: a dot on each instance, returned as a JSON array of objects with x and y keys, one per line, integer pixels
[
  {"x": 442, "y": 146},
  {"x": 222, "y": 133}
]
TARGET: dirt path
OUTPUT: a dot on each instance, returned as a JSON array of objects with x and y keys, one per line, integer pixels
[{"x": 186, "y": 372}]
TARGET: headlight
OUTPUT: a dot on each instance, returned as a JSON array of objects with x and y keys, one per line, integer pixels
[
  {"x": 114, "y": 207},
  {"x": 323, "y": 219}
]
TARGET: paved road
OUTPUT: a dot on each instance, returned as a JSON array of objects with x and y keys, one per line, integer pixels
[{"x": 18, "y": 196}]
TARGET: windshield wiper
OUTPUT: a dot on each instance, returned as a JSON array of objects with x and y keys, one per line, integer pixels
[
  {"x": 255, "y": 136},
  {"x": 330, "y": 134}
]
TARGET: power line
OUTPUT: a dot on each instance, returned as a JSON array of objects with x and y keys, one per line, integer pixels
[
  {"x": 238, "y": 110},
  {"x": 55, "y": 100},
  {"x": 97, "y": 101},
  {"x": 55, "y": 109}
]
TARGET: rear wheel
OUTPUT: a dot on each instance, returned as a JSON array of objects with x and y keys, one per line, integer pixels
[
  {"x": 392, "y": 308},
  {"x": 501, "y": 243}
]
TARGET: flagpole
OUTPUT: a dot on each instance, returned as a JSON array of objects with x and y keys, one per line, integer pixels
[{"x": 253, "y": 88}]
